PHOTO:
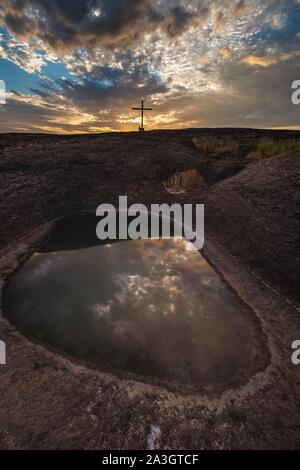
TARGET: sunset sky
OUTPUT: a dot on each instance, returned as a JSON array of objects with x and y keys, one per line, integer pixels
[{"x": 74, "y": 66}]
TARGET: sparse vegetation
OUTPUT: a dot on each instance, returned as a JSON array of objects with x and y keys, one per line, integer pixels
[
  {"x": 183, "y": 181},
  {"x": 269, "y": 148},
  {"x": 216, "y": 145}
]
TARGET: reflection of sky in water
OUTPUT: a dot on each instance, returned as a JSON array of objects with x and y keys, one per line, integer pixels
[{"x": 150, "y": 307}]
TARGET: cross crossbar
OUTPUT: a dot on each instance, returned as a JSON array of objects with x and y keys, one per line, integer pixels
[{"x": 142, "y": 109}]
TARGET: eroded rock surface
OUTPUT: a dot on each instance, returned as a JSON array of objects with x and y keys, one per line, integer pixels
[{"x": 252, "y": 237}]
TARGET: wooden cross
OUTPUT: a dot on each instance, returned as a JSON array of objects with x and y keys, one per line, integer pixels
[{"x": 142, "y": 109}]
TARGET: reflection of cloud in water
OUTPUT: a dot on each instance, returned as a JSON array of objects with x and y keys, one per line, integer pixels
[
  {"x": 102, "y": 310},
  {"x": 153, "y": 307},
  {"x": 39, "y": 266}
]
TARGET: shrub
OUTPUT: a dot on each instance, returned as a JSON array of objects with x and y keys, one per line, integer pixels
[
  {"x": 183, "y": 181},
  {"x": 215, "y": 145},
  {"x": 269, "y": 148}
]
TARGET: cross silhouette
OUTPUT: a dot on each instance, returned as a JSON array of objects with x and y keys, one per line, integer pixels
[{"x": 142, "y": 109}]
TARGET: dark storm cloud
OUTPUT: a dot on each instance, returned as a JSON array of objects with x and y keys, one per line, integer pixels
[
  {"x": 250, "y": 97},
  {"x": 20, "y": 25},
  {"x": 95, "y": 102},
  {"x": 179, "y": 20},
  {"x": 67, "y": 24},
  {"x": 197, "y": 62},
  {"x": 106, "y": 85}
]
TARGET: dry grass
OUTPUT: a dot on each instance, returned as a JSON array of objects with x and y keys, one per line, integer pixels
[
  {"x": 184, "y": 181},
  {"x": 269, "y": 148},
  {"x": 216, "y": 145}
]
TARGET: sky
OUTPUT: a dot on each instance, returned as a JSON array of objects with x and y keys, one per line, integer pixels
[{"x": 79, "y": 66}]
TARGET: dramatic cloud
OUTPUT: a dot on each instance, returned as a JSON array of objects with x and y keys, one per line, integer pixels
[
  {"x": 66, "y": 24},
  {"x": 271, "y": 59},
  {"x": 80, "y": 66},
  {"x": 21, "y": 54}
]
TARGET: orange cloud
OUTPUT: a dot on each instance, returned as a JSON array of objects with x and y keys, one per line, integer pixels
[
  {"x": 272, "y": 59},
  {"x": 225, "y": 53}
]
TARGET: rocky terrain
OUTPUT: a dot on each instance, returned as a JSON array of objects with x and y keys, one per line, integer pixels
[{"x": 252, "y": 220}]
